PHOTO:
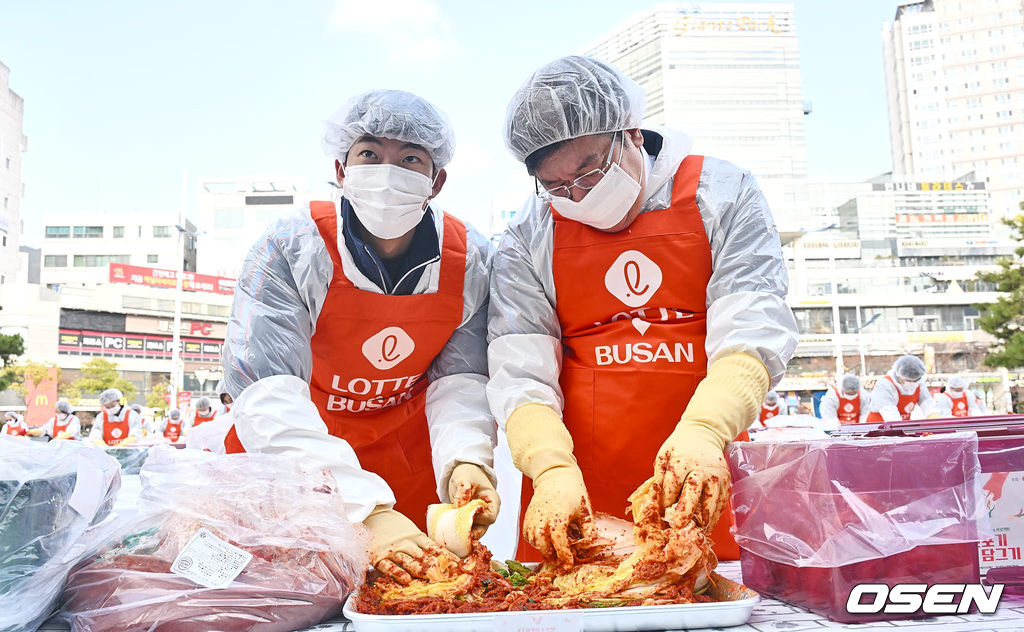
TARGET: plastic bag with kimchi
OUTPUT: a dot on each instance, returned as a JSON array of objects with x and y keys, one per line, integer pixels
[{"x": 306, "y": 557}]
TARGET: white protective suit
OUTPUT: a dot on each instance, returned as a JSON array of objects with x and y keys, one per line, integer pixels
[
  {"x": 268, "y": 360},
  {"x": 944, "y": 405},
  {"x": 829, "y": 406},
  {"x": 74, "y": 427},
  {"x": 746, "y": 296},
  {"x": 884, "y": 398},
  {"x": 134, "y": 423}
]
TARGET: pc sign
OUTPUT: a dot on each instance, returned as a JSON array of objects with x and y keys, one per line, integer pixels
[{"x": 903, "y": 599}]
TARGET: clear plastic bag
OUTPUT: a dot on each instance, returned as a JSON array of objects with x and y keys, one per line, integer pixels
[
  {"x": 306, "y": 557},
  {"x": 55, "y": 503},
  {"x": 834, "y": 502}
]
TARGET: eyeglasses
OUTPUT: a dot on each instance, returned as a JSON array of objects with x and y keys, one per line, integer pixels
[{"x": 586, "y": 182}]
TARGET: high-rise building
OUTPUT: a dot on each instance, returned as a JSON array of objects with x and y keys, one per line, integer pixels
[
  {"x": 954, "y": 75},
  {"x": 78, "y": 248},
  {"x": 728, "y": 75},
  {"x": 234, "y": 212},
  {"x": 12, "y": 144}
]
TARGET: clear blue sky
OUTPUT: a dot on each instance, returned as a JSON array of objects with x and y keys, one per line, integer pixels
[{"x": 121, "y": 96}]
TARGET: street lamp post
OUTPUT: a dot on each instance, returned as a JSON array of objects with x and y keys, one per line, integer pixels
[{"x": 176, "y": 368}]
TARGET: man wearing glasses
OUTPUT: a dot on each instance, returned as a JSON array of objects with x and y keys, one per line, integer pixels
[{"x": 638, "y": 313}]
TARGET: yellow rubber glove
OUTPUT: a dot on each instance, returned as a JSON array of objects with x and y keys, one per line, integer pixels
[
  {"x": 690, "y": 468},
  {"x": 129, "y": 440},
  {"x": 35, "y": 432},
  {"x": 542, "y": 449},
  {"x": 64, "y": 434},
  {"x": 468, "y": 482},
  {"x": 399, "y": 549}
]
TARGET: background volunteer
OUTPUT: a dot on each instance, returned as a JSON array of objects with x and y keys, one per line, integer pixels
[
  {"x": 751, "y": 332},
  {"x": 847, "y": 404},
  {"x": 173, "y": 426},
  {"x": 958, "y": 400},
  {"x": 14, "y": 424},
  {"x": 288, "y": 277},
  {"x": 204, "y": 412},
  {"x": 63, "y": 425},
  {"x": 115, "y": 424},
  {"x": 901, "y": 391}
]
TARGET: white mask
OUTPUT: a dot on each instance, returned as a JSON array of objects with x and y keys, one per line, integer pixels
[
  {"x": 389, "y": 200},
  {"x": 606, "y": 204}
]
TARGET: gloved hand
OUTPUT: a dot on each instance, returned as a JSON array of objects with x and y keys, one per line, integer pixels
[
  {"x": 690, "y": 468},
  {"x": 560, "y": 508},
  {"x": 130, "y": 439},
  {"x": 35, "y": 432},
  {"x": 469, "y": 481},
  {"x": 64, "y": 434},
  {"x": 399, "y": 549}
]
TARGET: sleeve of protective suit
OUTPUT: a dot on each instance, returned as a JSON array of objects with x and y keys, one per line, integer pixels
[
  {"x": 943, "y": 405},
  {"x": 48, "y": 428},
  {"x": 75, "y": 427},
  {"x": 462, "y": 429},
  {"x": 96, "y": 432},
  {"x": 134, "y": 424},
  {"x": 829, "y": 406},
  {"x": 865, "y": 405},
  {"x": 926, "y": 402},
  {"x": 276, "y": 416},
  {"x": 278, "y": 299},
  {"x": 746, "y": 296},
  {"x": 524, "y": 354},
  {"x": 978, "y": 407},
  {"x": 884, "y": 400}
]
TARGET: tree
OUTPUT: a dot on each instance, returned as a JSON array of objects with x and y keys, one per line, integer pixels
[
  {"x": 11, "y": 346},
  {"x": 98, "y": 375},
  {"x": 155, "y": 398},
  {"x": 20, "y": 376},
  {"x": 1004, "y": 319}
]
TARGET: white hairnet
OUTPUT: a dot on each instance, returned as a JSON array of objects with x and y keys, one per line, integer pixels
[
  {"x": 222, "y": 388},
  {"x": 203, "y": 403},
  {"x": 850, "y": 383},
  {"x": 909, "y": 367},
  {"x": 110, "y": 395},
  {"x": 394, "y": 114},
  {"x": 13, "y": 416},
  {"x": 63, "y": 406},
  {"x": 137, "y": 408},
  {"x": 174, "y": 414},
  {"x": 571, "y": 97},
  {"x": 771, "y": 398},
  {"x": 957, "y": 383}
]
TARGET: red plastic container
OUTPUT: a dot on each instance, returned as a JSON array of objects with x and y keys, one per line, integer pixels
[{"x": 816, "y": 518}]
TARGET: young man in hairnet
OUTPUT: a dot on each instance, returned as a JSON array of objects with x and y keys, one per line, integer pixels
[
  {"x": 63, "y": 425},
  {"x": 116, "y": 424},
  {"x": 900, "y": 391},
  {"x": 638, "y": 313},
  {"x": 847, "y": 404},
  {"x": 958, "y": 400},
  {"x": 357, "y": 339}
]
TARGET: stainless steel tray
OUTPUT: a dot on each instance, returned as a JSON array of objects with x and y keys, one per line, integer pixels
[{"x": 733, "y": 606}]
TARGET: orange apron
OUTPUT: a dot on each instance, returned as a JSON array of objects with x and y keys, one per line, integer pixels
[
  {"x": 848, "y": 410},
  {"x": 115, "y": 432},
  {"x": 172, "y": 431},
  {"x": 959, "y": 405},
  {"x": 59, "y": 427},
  {"x": 905, "y": 404},
  {"x": 202, "y": 420},
  {"x": 768, "y": 413},
  {"x": 632, "y": 311},
  {"x": 18, "y": 430},
  {"x": 371, "y": 353}
]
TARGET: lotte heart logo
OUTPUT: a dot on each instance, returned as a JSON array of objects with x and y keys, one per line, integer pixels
[
  {"x": 633, "y": 278},
  {"x": 848, "y": 408},
  {"x": 389, "y": 346}
]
